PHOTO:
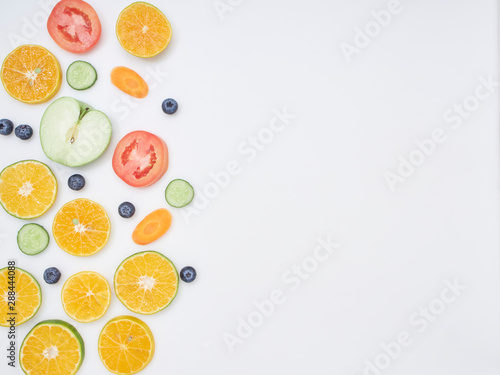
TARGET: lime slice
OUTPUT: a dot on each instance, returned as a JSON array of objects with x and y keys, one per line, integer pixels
[
  {"x": 52, "y": 347},
  {"x": 179, "y": 193},
  {"x": 21, "y": 296},
  {"x": 28, "y": 189},
  {"x": 146, "y": 282}
]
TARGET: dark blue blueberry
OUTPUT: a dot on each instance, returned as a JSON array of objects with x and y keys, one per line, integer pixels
[
  {"x": 169, "y": 106},
  {"x": 76, "y": 182},
  {"x": 126, "y": 210},
  {"x": 6, "y": 126},
  {"x": 188, "y": 274},
  {"x": 24, "y": 132},
  {"x": 51, "y": 275}
]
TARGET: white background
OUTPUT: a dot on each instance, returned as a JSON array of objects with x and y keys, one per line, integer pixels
[{"x": 323, "y": 175}]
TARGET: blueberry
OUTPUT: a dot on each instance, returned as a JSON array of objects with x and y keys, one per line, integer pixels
[
  {"x": 169, "y": 106},
  {"x": 126, "y": 210},
  {"x": 76, "y": 182},
  {"x": 188, "y": 274},
  {"x": 6, "y": 126},
  {"x": 24, "y": 132},
  {"x": 51, "y": 275}
]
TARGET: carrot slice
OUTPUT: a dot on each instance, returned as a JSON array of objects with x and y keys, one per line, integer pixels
[
  {"x": 129, "y": 82},
  {"x": 152, "y": 227}
]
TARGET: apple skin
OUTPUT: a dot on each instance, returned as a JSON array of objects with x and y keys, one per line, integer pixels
[{"x": 72, "y": 133}]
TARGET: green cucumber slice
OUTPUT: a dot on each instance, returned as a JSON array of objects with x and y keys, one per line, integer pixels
[
  {"x": 179, "y": 193},
  {"x": 81, "y": 75},
  {"x": 32, "y": 239}
]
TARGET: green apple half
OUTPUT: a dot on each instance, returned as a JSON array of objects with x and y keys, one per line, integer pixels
[{"x": 72, "y": 133}]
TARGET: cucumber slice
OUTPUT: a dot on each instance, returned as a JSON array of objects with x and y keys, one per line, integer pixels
[
  {"x": 179, "y": 193},
  {"x": 32, "y": 239},
  {"x": 81, "y": 75}
]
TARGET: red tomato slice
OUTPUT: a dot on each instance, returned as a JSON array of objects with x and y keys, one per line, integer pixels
[
  {"x": 140, "y": 158},
  {"x": 74, "y": 25}
]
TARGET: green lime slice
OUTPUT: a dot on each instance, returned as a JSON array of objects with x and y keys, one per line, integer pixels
[{"x": 55, "y": 340}]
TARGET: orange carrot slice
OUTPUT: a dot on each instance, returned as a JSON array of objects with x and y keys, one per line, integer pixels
[
  {"x": 129, "y": 82},
  {"x": 152, "y": 227}
]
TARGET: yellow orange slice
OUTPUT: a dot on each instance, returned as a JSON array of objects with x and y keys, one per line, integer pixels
[
  {"x": 85, "y": 296},
  {"x": 27, "y": 189},
  {"x": 52, "y": 347},
  {"x": 81, "y": 227},
  {"x": 20, "y": 296},
  {"x": 126, "y": 345},
  {"x": 146, "y": 282},
  {"x": 143, "y": 30},
  {"x": 31, "y": 74}
]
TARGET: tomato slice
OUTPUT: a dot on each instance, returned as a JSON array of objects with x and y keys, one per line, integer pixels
[
  {"x": 74, "y": 25},
  {"x": 140, "y": 158}
]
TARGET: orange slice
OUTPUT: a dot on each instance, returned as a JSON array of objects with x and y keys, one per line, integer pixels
[
  {"x": 20, "y": 296},
  {"x": 27, "y": 189},
  {"x": 52, "y": 347},
  {"x": 81, "y": 227},
  {"x": 126, "y": 345},
  {"x": 85, "y": 296},
  {"x": 143, "y": 30},
  {"x": 146, "y": 282},
  {"x": 31, "y": 74}
]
